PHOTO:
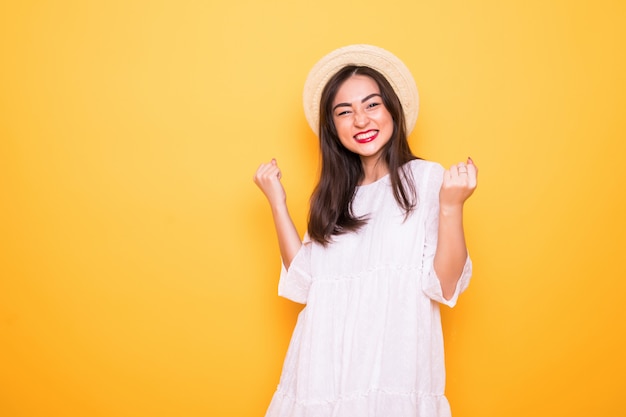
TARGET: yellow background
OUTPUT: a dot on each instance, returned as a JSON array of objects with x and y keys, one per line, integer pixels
[{"x": 138, "y": 264}]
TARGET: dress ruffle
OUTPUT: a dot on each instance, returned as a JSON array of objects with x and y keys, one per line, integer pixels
[{"x": 374, "y": 403}]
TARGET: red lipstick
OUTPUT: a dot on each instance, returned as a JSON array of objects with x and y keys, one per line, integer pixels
[{"x": 367, "y": 136}]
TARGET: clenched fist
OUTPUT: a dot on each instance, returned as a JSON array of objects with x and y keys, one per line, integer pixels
[
  {"x": 459, "y": 182},
  {"x": 267, "y": 178}
]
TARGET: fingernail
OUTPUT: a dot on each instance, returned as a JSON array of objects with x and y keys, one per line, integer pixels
[{"x": 470, "y": 160}]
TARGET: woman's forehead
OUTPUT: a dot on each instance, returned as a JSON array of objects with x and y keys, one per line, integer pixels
[{"x": 356, "y": 88}]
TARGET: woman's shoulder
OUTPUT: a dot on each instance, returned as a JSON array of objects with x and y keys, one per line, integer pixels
[
  {"x": 422, "y": 166},
  {"x": 426, "y": 175}
]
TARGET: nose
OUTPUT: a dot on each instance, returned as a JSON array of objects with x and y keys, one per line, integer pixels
[{"x": 360, "y": 119}]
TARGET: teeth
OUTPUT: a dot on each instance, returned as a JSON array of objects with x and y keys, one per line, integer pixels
[{"x": 366, "y": 135}]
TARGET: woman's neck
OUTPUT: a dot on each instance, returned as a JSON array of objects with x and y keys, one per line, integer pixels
[{"x": 373, "y": 171}]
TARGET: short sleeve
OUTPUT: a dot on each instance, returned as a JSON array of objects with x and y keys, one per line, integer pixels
[
  {"x": 431, "y": 285},
  {"x": 294, "y": 283}
]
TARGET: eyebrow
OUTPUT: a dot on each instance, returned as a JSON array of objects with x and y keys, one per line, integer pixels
[{"x": 362, "y": 101}]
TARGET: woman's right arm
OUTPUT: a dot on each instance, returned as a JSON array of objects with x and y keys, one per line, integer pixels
[{"x": 267, "y": 178}]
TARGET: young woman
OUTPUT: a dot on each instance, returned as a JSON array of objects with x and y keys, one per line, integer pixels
[{"x": 385, "y": 245}]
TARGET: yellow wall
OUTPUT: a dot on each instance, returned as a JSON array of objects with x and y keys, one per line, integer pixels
[{"x": 138, "y": 265}]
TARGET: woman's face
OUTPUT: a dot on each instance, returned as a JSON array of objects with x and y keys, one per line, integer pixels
[{"x": 363, "y": 123}]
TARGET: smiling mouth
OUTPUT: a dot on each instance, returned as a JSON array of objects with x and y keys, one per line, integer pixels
[{"x": 365, "y": 137}]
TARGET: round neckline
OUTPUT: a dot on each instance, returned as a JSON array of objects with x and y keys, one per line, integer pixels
[{"x": 381, "y": 179}]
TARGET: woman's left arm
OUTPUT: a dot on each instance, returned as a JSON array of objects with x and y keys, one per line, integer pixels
[{"x": 458, "y": 185}]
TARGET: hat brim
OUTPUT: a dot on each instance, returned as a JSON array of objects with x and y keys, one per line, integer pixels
[{"x": 383, "y": 61}]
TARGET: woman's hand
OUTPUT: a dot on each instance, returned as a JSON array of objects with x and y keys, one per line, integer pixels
[
  {"x": 459, "y": 182},
  {"x": 267, "y": 178},
  {"x": 458, "y": 185}
]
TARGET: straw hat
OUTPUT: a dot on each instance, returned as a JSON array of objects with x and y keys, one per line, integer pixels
[{"x": 374, "y": 57}]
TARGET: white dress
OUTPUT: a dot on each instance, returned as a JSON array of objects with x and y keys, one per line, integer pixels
[{"x": 369, "y": 342}]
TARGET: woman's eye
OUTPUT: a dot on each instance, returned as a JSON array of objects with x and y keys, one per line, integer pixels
[
  {"x": 372, "y": 105},
  {"x": 343, "y": 113}
]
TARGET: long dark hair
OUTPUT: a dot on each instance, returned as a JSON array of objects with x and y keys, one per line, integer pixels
[{"x": 342, "y": 170}]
